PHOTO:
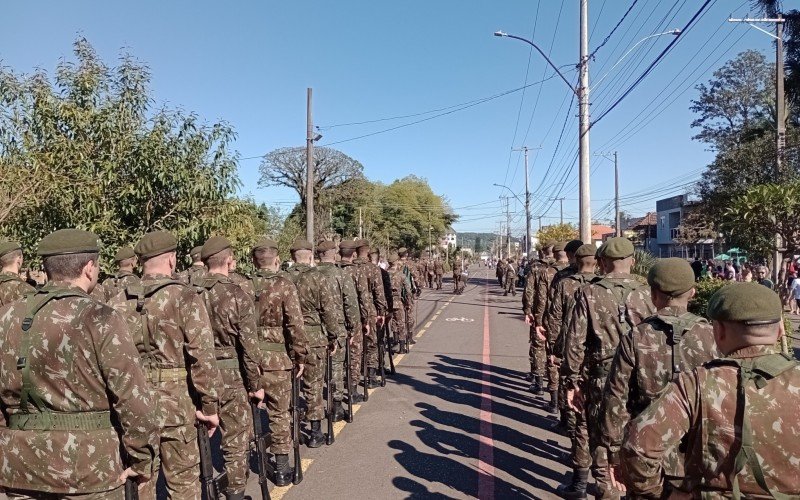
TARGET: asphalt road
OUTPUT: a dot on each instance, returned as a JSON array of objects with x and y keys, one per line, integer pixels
[{"x": 456, "y": 422}]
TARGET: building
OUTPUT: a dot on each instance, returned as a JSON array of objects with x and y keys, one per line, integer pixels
[
  {"x": 670, "y": 239},
  {"x": 601, "y": 233},
  {"x": 643, "y": 232},
  {"x": 449, "y": 239}
]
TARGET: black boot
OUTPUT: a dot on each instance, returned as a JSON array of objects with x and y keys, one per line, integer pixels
[
  {"x": 576, "y": 488},
  {"x": 372, "y": 378},
  {"x": 283, "y": 472},
  {"x": 338, "y": 412},
  {"x": 537, "y": 387},
  {"x": 355, "y": 396},
  {"x": 316, "y": 438},
  {"x": 235, "y": 496},
  {"x": 403, "y": 347},
  {"x": 553, "y": 406}
]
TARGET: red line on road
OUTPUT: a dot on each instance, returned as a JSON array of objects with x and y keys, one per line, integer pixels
[{"x": 486, "y": 447}]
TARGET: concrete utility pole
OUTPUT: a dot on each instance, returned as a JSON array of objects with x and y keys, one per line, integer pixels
[
  {"x": 508, "y": 229},
  {"x": 528, "y": 235},
  {"x": 561, "y": 203},
  {"x": 584, "y": 173},
  {"x": 617, "y": 218},
  {"x": 360, "y": 224},
  {"x": 309, "y": 170}
]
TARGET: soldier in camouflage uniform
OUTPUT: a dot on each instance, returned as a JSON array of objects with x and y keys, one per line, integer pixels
[
  {"x": 735, "y": 417},
  {"x": 169, "y": 323},
  {"x": 378, "y": 310},
  {"x": 527, "y": 309},
  {"x": 401, "y": 290},
  {"x": 604, "y": 312},
  {"x": 66, "y": 361},
  {"x": 350, "y": 327},
  {"x": 672, "y": 341},
  {"x": 12, "y": 287},
  {"x": 411, "y": 299},
  {"x": 366, "y": 308},
  {"x": 233, "y": 321},
  {"x": 197, "y": 271},
  {"x": 438, "y": 271},
  {"x": 125, "y": 258},
  {"x": 510, "y": 278},
  {"x": 283, "y": 344},
  {"x": 500, "y": 273},
  {"x": 320, "y": 302}
]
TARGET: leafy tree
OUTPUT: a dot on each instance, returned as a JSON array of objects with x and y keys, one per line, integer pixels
[
  {"x": 791, "y": 47},
  {"x": 557, "y": 232}
]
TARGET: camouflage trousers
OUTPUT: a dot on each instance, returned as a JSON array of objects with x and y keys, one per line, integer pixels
[
  {"x": 411, "y": 318},
  {"x": 356, "y": 351},
  {"x": 511, "y": 285},
  {"x": 397, "y": 323},
  {"x": 277, "y": 387},
  {"x": 115, "y": 494},
  {"x": 438, "y": 281},
  {"x": 538, "y": 353},
  {"x": 594, "y": 401},
  {"x": 553, "y": 368},
  {"x": 579, "y": 439},
  {"x": 236, "y": 423},
  {"x": 314, "y": 381},
  {"x": 430, "y": 280},
  {"x": 338, "y": 360},
  {"x": 371, "y": 344}
]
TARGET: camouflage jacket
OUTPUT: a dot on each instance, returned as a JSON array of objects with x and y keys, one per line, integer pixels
[
  {"x": 604, "y": 312},
  {"x": 510, "y": 271},
  {"x": 561, "y": 304},
  {"x": 347, "y": 296},
  {"x": 400, "y": 288},
  {"x": 176, "y": 328},
  {"x": 13, "y": 288},
  {"x": 646, "y": 361},
  {"x": 281, "y": 334},
  {"x": 99, "y": 293},
  {"x": 705, "y": 408},
  {"x": 358, "y": 275},
  {"x": 192, "y": 275},
  {"x": 233, "y": 321},
  {"x": 321, "y": 304},
  {"x": 74, "y": 362},
  {"x": 541, "y": 294},
  {"x": 386, "y": 279},
  {"x": 375, "y": 284},
  {"x": 438, "y": 267},
  {"x": 115, "y": 284},
  {"x": 500, "y": 270}
]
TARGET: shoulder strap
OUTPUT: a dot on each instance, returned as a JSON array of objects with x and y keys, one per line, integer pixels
[
  {"x": 677, "y": 326},
  {"x": 142, "y": 294}
]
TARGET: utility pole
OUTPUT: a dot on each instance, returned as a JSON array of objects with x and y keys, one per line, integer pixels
[
  {"x": 617, "y": 218},
  {"x": 360, "y": 224},
  {"x": 309, "y": 170},
  {"x": 584, "y": 173},
  {"x": 508, "y": 228},
  {"x": 561, "y": 202},
  {"x": 528, "y": 235}
]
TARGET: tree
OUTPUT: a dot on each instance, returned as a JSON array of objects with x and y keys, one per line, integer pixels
[
  {"x": 555, "y": 233},
  {"x": 791, "y": 47}
]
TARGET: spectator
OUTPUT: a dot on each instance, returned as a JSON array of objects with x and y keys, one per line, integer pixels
[
  {"x": 795, "y": 290},
  {"x": 747, "y": 273},
  {"x": 697, "y": 267},
  {"x": 762, "y": 277}
]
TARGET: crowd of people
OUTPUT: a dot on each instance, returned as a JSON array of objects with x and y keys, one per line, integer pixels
[
  {"x": 105, "y": 385},
  {"x": 659, "y": 402}
]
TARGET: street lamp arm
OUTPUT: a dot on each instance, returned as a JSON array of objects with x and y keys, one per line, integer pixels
[
  {"x": 510, "y": 191},
  {"x": 675, "y": 32},
  {"x": 555, "y": 68}
]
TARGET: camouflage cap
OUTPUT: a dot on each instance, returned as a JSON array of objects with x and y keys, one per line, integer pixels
[
  {"x": 301, "y": 244},
  {"x": 7, "y": 246},
  {"x": 672, "y": 276},
  {"x": 392, "y": 258},
  {"x": 325, "y": 246},
  {"x": 214, "y": 245},
  {"x": 618, "y": 248},
  {"x": 265, "y": 243},
  {"x": 124, "y": 253},
  {"x": 573, "y": 246},
  {"x": 748, "y": 303},
  {"x": 68, "y": 241},
  {"x": 559, "y": 246},
  {"x": 586, "y": 250},
  {"x": 155, "y": 243},
  {"x": 349, "y": 244},
  {"x": 196, "y": 252},
  {"x": 361, "y": 242}
]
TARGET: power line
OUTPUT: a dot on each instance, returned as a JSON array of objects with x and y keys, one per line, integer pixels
[{"x": 614, "y": 29}]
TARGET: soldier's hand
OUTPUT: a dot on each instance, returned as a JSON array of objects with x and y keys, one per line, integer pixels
[
  {"x": 575, "y": 399},
  {"x": 129, "y": 473},
  {"x": 616, "y": 478},
  {"x": 529, "y": 319},
  {"x": 210, "y": 421},
  {"x": 257, "y": 395},
  {"x": 379, "y": 320},
  {"x": 300, "y": 368},
  {"x": 366, "y": 330},
  {"x": 350, "y": 340},
  {"x": 540, "y": 331},
  {"x": 334, "y": 348}
]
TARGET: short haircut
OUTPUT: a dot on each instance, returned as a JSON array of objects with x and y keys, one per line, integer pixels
[
  {"x": 346, "y": 252},
  {"x": 127, "y": 262},
  {"x": 67, "y": 267},
  {"x": 264, "y": 257},
  {"x": 10, "y": 257},
  {"x": 218, "y": 259}
]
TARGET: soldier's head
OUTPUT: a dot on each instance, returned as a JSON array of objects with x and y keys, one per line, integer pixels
[
  {"x": 326, "y": 251},
  {"x": 671, "y": 283},
  {"x": 196, "y": 255},
  {"x": 618, "y": 255},
  {"x": 402, "y": 254},
  {"x": 560, "y": 251},
  {"x": 348, "y": 248},
  {"x": 10, "y": 256},
  {"x": 570, "y": 248},
  {"x": 745, "y": 314},
  {"x": 301, "y": 251},
  {"x": 71, "y": 255},
  {"x": 265, "y": 255},
  {"x": 374, "y": 255},
  {"x": 585, "y": 258},
  {"x": 217, "y": 255},
  {"x": 157, "y": 253},
  {"x": 362, "y": 248},
  {"x": 125, "y": 259},
  {"x": 393, "y": 260}
]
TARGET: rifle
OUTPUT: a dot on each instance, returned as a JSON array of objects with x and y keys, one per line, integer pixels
[
  {"x": 266, "y": 472},
  {"x": 387, "y": 339},
  {"x": 213, "y": 486},
  {"x": 348, "y": 379},
  {"x": 298, "y": 467},
  {"x": 364, "y": 365},
  {"x": 381, "y": 335},
  {"x": 329, "y": 439},
  {"x": 131, "y": 489}
]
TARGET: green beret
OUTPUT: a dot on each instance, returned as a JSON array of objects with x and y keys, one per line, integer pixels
[
  {"x": 214, "y": 245},
  {"x": 196, "y": 252},
  {"x": 748, "y": 303},
  {"x": 301, "y": 244},
  {"x": 349, "y": 244},
  {"x": 392, "y": 258},
  {"x": 618, "y": 248},
  {"x": 573, "y": 246},
  {"x": 360, "y": 243},
  {"x": 8, "y": 247},
  {"x": 265, "y": 243},
  {"x": 68, "y": 241},
  {"x": 586, "y": 250},
  {"x": 402, "y": 251},
  {"x": 559, "y": 246},
  {"x": 601, "y": 250},
  {"x": 155, "y": 243},
  {"x": 673, "y": 276},
  {"x": 124, "y": 253},
  {"x": 325, "y": 246}
]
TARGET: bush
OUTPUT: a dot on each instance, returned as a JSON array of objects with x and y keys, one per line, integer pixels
[
  {"x": 644, "y": 261},
  {"x": 705, "y": 289}
]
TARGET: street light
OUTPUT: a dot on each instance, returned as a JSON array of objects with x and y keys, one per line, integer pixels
[
  {"x": 674, "y": 32},
  {"x": 527, "y": 203}
]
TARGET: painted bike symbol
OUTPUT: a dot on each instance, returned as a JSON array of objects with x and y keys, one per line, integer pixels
[{"x": 461, "y": 319}]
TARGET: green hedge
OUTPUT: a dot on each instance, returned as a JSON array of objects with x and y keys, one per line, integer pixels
[{"x": 705, "y": 289}]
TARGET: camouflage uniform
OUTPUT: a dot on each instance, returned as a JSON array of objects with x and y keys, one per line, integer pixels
[
  {"x": 283, "y": 344},
  {"x": 400, "y": 293},
  {"x": 115, "y": 284},
  {"x": 193, "y": 275},
  {"x": 703, "y": 411},
  {"x": 604, "y": 312},
  {"x": 438, "y": 271},
  {"x": 500, "y": 272},
  {"x": 321, "y": 305},
  {"x": 170, "y": 325},
  {"x": 647, "y": 358},
  {"x": 379, "y": 307},
  {"x": 233, "y": 321},
  {"x": 537, "y": 298},
  {"x": 410, "y": 303},
  {"x": 59, "y": 381},
  {"x": 99, "y": 293},
  {"x": 12, "y": 288},
  {"x": 366, "y": 308},
  {"x": 350, "y": 326},
  {"x": 457, "y": 272},
  {"x": 510, "y": 279}
]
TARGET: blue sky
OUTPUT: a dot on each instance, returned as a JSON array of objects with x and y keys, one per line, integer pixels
[{"x": 249, "y": 63}]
